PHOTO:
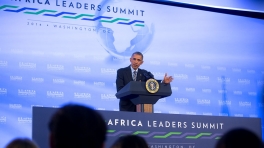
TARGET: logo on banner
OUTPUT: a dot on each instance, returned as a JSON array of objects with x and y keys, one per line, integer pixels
[
  {"x": 15, "y": 106},
  {"x": 223, "y": 114},
  {"x": 172, "y": 64},
  {"x": 237, "y": 92},
  {"x": 108, "y": 97},
  {"x": 181, "y": 76},
  {"x": 223, "y": 79},
  {"x": 159, "y": 74},
  {"x": 221, "y": 68},
  {"x": 253, "y": 115},
  {"x": 236, "y": 69},
  {"x": 190, "y": 89},
  {"x": 244, "y": 104},
  {"x": 152, "y": 85},
  {"x": 3, "y": 91},
  {"x": 252, "y": 93},
  {"x": 15, "y": 78},
  {"x": 203, "y": 78},
  {"x": 205, "y": 67},
  {"x": 191, "y": 113},
  {"x": 58, "y": 81},
  {"x": 79, "y": 56},
  {"x": 3, "y": 63},
  {"x": 174, "y": 88},
  {"x": 103, "y": 109},
  {"x": 203, "y": 102},
  {"x": 24, "y": 120},
  {"x": 16, "y": 51},
  {"x": 221, "y": 91},
  {"x": 174, "y": 112},
  {"x": 37, "y": 53},
  {"x": 26, "y": 93},
  {"x": 27, "y": 65},
  {"x": 238, "y": 115},
  {"x": 78, "y": 82},
  {"x": 58, "y": 54},
  {"x": 189, "y": 65},
  {"x": 108, "y": 17},
  {"x": 37, "y": 80},
  {"x": 181, "y": 100},
  {"x": 206, "y": 90},
  {"x": 208, "y": 114},
  {"x": 2, "y": 119},
  {"x": 162, "y": 100},
  {"x": 224, "y": 102},
  {"x": 251, "y": 71},
  {"x": 82, "y": 69},
  {"x": 55, "y": 67},
  {"x": 260, "y": 82},
  {"x": 121, "y": 41},
  {"x": 157, "y": 63},
  {"x": 108, "y": 71},
  {"x": 36, "y": 106},
  {"x": 55, "y": 94},
  {"x": 84, "y": 96},
  {"x": 171, "y": 145},
  {"x": 243, "y": 81},
  {"x": 99, "y": 83}
]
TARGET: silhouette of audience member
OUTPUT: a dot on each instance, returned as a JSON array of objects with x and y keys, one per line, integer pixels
[
  {"x": 21, "y": 143},
  {"x": 130, "y": 141},
  {"x": 239, "y": 138},
  {"x": 76, "y": 126}
]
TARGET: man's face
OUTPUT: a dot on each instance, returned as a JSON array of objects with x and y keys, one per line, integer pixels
[{"x": 136, "y": 60}]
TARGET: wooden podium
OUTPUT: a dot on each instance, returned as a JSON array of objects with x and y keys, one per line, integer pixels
[{"x": 144, "y": 100}]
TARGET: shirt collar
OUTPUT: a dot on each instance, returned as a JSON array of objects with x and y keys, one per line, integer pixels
[{"x": 133, "y": 69}]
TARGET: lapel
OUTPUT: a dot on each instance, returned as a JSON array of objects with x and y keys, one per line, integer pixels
[
  {"x": 139, "y": 75},
  {"x": 129, "y": 73}
]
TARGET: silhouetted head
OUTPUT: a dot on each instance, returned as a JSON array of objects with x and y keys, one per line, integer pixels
[
  {"x": 130, "y": 141},
  {"x": 239, "y": 138},
  {"x": 22, "y": 143},
  {"x": 76, "y": 126}
]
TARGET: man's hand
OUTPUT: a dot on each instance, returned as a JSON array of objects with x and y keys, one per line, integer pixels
[{"x": 167, "y": 79}]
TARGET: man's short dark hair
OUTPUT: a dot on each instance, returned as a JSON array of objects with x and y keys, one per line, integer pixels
[
  {"x": 138, "y": 53},
  {"x": 76, "y": 126}
]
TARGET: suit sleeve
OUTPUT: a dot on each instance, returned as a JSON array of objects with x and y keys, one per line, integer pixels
[{"x": 119, "y": 80}]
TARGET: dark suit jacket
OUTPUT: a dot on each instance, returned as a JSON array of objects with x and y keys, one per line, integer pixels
[{"x": 124, "y": 76}]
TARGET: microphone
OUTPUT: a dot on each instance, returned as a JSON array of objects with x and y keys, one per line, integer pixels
[
  {"x": 151, "y": 75},
  {"x": 148, "y": 75}
]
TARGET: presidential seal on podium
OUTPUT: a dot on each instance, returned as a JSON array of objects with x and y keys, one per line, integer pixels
[{"x": 152, "y": 85}]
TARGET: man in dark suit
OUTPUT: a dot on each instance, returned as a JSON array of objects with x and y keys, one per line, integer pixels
[{"x": 132, "y": 73}]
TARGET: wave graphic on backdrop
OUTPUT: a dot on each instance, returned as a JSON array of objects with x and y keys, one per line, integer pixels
[{"x": 71, "y": 15}]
